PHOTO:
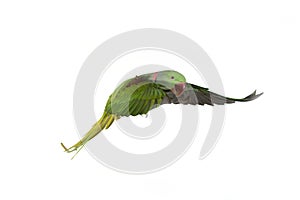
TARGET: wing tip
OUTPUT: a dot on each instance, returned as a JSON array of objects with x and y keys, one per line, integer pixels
[{"x": 252, "y": 96}]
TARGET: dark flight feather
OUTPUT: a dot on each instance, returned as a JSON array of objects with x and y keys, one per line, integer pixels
[{"x": 196, "y": 95}]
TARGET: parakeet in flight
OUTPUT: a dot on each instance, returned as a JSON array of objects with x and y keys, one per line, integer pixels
[{"x": 139, "y": 95}]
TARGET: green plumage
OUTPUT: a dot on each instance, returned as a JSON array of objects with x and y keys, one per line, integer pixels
[
  {"x": 134, "y": 99},
  {"x": 137, "y": 96}
]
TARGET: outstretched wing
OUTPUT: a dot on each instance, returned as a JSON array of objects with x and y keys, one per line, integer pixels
[
  {"x": 196, "y": 95},
  {"x": 135, "y": 99}
]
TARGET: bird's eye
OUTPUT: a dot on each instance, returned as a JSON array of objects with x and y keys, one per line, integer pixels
[{"x": 172, "y": 77}]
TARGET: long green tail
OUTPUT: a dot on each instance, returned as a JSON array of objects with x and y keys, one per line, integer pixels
[{"x": 103, "y": 123}]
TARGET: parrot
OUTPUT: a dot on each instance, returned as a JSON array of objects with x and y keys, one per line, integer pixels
[{"x": 142, "y": 93}]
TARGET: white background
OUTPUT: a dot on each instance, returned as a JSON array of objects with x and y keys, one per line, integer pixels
[{"x": 254, "y": 44}]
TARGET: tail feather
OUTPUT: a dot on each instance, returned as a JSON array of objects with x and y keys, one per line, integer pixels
[{"x": 103, "y": 123}]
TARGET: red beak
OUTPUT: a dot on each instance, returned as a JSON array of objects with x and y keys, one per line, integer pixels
[{"x": 178, "y": 89}]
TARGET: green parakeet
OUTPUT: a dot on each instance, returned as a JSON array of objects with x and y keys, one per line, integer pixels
[{"x": 143, "y": 93}]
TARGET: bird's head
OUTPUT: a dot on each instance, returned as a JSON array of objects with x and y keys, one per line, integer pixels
[{"x": 171, "y": 80}]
